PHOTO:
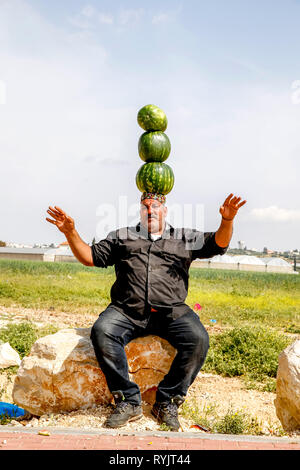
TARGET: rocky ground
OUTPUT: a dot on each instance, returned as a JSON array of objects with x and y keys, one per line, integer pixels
[{"x": 211, "y": 393}]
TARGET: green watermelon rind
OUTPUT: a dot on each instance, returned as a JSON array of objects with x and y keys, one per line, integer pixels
[
  {"x": 152, "y": 118},
  {"x": 155, "y": 177},
  {"x": 154, "y": 146}
]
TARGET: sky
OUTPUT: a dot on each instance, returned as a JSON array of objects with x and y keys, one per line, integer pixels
[{"x": 73, "y": 76}]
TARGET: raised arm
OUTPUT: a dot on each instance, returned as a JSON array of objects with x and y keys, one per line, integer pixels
[
  {"x": 228, "y": 211},
  {"x": 81, "y": 250}
]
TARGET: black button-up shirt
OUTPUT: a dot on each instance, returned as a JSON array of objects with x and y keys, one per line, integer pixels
[{"x": 152, "y": 273}]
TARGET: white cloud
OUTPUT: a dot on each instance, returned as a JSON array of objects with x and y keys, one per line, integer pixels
[
  {"x": 275, "y": 214},
  {"x": 165, "y": 17},
  {"x": 88, "y": 11},
  {"x": 130, "y": 16},
  {"x": 83, "y": 19},
  {"x": 160, "y": 18},
  {"x": 88, "y": 18},
  {"x": 105, "y": 18}
]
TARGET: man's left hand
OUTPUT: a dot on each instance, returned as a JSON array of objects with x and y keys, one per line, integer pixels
[{"x": 230, "y": 207}]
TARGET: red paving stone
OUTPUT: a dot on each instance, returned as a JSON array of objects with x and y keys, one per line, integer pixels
[{"x": 33, "y": 441}]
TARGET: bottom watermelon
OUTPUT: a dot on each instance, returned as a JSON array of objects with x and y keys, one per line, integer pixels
[{"x": 155, "y": 177}]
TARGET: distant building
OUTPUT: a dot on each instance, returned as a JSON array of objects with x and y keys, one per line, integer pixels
[
  {"x": 245, "y": 263},
  {"x": 241, "y": 245},
  {"x": 18, "y": 245},
  {"x": 39, "y": 253},
  {"x": 45, "y": 245}
]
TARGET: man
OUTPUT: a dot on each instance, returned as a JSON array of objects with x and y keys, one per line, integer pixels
[{"x": 151, "y": 261}]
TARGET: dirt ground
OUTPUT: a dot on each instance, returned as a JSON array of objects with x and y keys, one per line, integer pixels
[{"x": 208, "y": 391}]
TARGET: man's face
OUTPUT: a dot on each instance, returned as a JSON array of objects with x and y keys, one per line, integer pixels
[{"x": 153, "y": 214}]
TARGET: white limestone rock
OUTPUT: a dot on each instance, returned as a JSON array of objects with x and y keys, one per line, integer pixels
[
  {"x": 287, "y": 400},
  {"x": 61, "y": 373}
]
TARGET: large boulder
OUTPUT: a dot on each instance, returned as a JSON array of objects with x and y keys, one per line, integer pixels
[
  {"x": 61, "y": 373},
  {"x": 287, "y": 400}
]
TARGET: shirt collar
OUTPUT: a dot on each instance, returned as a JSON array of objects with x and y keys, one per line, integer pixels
[{"x": 143, "y": 232}]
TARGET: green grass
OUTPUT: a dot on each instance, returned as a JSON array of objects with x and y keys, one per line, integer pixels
[
  {"x": 234, "y": 421},
  {"x": 245, "y": 298},
  {"x": 21, "y": 336},
  {"x": 233, "y": 298},
  {"x": 251, "y": 353},
  {"x": 64, "y": 286}
]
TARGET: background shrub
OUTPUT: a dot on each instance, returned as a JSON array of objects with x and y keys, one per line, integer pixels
[
  {"x": 243, "y": 351},
  {"x": 21, "y": 336}
]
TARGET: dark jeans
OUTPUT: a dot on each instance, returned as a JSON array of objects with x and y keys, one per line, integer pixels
[{"x": 113, "y": 330}]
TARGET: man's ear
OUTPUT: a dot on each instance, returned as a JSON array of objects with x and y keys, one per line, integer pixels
[{"x": 165, "y": 211}]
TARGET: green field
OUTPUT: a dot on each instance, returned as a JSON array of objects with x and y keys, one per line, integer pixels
[{"x": 233, "y": 298}]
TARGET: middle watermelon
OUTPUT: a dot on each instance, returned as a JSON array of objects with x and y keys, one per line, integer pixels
[{"x": 154, "y": 146}]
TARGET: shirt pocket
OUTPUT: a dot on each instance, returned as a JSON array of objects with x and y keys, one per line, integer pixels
[
  {"x": 127, "y": 251},
  {"x": 176, "y": 262},
  {"x": 175, "y": 252}
]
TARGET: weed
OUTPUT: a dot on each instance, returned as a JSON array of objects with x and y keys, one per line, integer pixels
[
  {"x": 252, "y": 352},
  {"x": 292, "y": 329},
  {"x": 268, "y": 385},
  {"x": 164, "y": 427},
  {"x": 234, "y": 422},
  {"x": 21, "y": 336},
  {"x": 5, "y": 419},
  {"x": 205, "y": 416}
]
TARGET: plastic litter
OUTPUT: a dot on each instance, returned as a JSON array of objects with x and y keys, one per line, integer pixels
[
  {"x": 44, "y": 433},
  {"x": 11, "y": 411},
  {"x": 197, "y": 307},
  {"x": 200, "y": 427}
]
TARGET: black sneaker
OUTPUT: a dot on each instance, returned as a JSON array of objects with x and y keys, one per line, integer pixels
[
  {"x": 167, "y": 412},
  {"x": 123, "y": 412}
]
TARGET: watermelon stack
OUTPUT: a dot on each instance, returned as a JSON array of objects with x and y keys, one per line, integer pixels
[{"x": 154, "y": 147}]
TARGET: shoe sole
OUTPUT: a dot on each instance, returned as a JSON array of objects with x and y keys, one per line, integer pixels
[{"x": 134, "y": 418}]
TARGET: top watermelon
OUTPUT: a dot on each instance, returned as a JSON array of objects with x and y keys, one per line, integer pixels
[{"x": 152, "y": 118}]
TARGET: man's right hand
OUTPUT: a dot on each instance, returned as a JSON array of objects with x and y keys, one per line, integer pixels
[
  {"x": 81, "y": 250},
  {"x": 63, "y": 222}
]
